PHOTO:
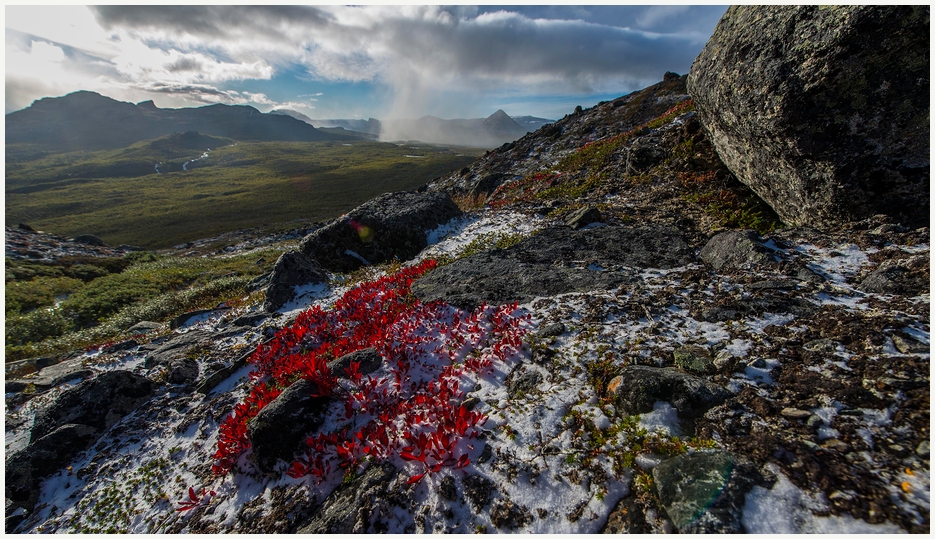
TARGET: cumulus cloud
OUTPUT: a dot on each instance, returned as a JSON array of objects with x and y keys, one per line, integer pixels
[{"x": 422, "y": 55}]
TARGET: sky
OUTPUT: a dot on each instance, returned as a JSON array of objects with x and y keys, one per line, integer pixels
[{"x": 353, "y": 61}]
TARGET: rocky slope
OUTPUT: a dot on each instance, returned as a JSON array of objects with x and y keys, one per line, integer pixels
[{"x": 610, "y": 351}]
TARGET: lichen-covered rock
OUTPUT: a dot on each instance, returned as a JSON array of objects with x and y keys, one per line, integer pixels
[
  {"x": 822, "y": 110},
  {"x": 392, "y": 225},
  {"x": 349, "y": 507},
  {"x": 293, "y": 268},
  {"x": 735, "y": 249},
  {"x": 98, "y": 403},
  {"x": 704, "y": 492},
  {"x": 279, "y": 430},
  {"x": 25, "y": 469},
  {"x": 638, "y": 388},
  {"x": 901, "y": 276},
  {"x": 694, "y": 359},
  {"x": 556, "y": 261}
]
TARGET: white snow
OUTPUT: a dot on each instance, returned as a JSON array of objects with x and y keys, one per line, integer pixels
[{"x": 787, "y": 509}]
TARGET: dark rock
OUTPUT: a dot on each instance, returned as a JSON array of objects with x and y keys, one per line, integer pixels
[
  {"x": 644, "y": 153},
  {"x": 485, "y": 454},
  {"x": 447, "y": 488},
  {"x": 97, "y": 403},
  {"x": 488, "y": 184},
  {"x": 551, "y": 330},
  {"x": 507, "y": 515},
  {"x": 90, "y": 239},
  {"x": 279, "y": 430},
  {"x": 144, "y": 327},
  {"x": 735, "y": 249},
  {"x": 392, "y": 225},
  {"x": 694, "y": 359},
  {"x": 182, "y": 319},
  {"x": 909, "y": 276},
  {"x": 823, "y": 111},
  {"x": 705, "y": 492},
  {"x": 24, "y": 226},
  {"x": 293, "y": 268},
  {"x": 523, "y": 380},
  {"x": 178, "y": 345},
  {"x": 627, "y": 517},
  {"x": 121, "y": 346},
  {"x": 370, "y": 360},
  {"x": 210, "y": 381},
  {"x": 249, "y": 320},
  {"x": 347, "y": 509},
  {"x": 670, "y": 77},
  {"x": 638, "y": 388},
  {"x": 43, "y": 457},
  {"x": 183, "y": 370},
  {"x": 754, "y": 306},
  {"x": 545, "y": 265},
  {"x": 479, "y": 491},
  {"x": 583, "y": 217}
]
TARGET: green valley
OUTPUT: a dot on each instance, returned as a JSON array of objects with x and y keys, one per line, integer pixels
[{"x": 119, "y": 196}]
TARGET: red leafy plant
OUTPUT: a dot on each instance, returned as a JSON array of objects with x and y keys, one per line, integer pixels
[
  {"x": 411, "y": 409},
  {"x": 195, "y": 500}
]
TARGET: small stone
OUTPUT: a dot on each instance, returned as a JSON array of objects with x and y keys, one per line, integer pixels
[
  {"x": 795, "y": 413},
  {"x": 821, "y": 345},
  {"x": 811, "y": 445},
  {"x": 725, "y": 361},
  {"x": 907, "y": 345},
  {"x": 923, "y": 449},
  {"x": 470, "y": 402},
  {"x": 551, "y": 330},
  {"x": 814, "y": 422},
  {"x": 758, "y": 363},
  {"x": 583, "y": 217},
  {"x": 485, "y": 454},
  {"x": 836, "y": 445},
  {"x": 694, "y": 359},
  {"x": 898, "y": 450}
]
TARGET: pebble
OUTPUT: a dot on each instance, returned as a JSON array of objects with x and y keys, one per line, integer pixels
[
  {"x": 795, "y": 413},
  {"x": 923, "y": 449},
  {"x": 836, "y": 444}
]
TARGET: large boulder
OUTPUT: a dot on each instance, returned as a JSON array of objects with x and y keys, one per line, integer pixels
[
  {"x": 822, "y": 110},
  {"x": 556, "y": 261},
  {"x": 72, "y": 424},
  {"x": 638, "y": 388},
  {"x": 392, "y": 225},
  {"x": 349, "y": 507},
  {"x": 293, "y": 268},
  {"x": 705, "y": 492},
  {"x": 279, "y": 430},
  {"x": 97, "y": 403}
]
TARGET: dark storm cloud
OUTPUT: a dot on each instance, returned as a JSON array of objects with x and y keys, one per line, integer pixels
[{"x": 209, "y": 21}]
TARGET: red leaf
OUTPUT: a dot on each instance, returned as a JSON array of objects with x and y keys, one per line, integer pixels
[{"x": 415, "y": 479}]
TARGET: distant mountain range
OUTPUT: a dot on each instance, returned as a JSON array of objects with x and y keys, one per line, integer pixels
[
  {"x": 89, "y": 121},
  {"x": 488, "y": 132}
]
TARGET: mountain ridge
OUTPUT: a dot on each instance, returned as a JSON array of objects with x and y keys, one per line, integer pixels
[{"x": 89, "y": 121}]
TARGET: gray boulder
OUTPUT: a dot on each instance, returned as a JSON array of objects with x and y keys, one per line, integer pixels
[
  {"x": 705, "y": 492},
  {"x": 735, "y": 250},
  {"x": 638, "y": 388},
  {"x": 900, "y": 276},
  {"x": 279, "y": 430},
  {"x": 822, "y": 110},
  {"x": 97, "y": 403},
  {"x": 48, "y": 454},
  {"x": 293, "y": 268},
  {"x": 392, "y": 225},
  {"x": 583, "y": 217},
  {"x": 555, "y": 261},
  {"x": 348, "y": 508}
]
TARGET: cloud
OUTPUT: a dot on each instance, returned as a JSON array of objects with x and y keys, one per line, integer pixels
[{"x": 430, "y": 59}]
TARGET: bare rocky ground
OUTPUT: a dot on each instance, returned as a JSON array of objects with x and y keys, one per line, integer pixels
[{"x": 786, "y": 374}]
